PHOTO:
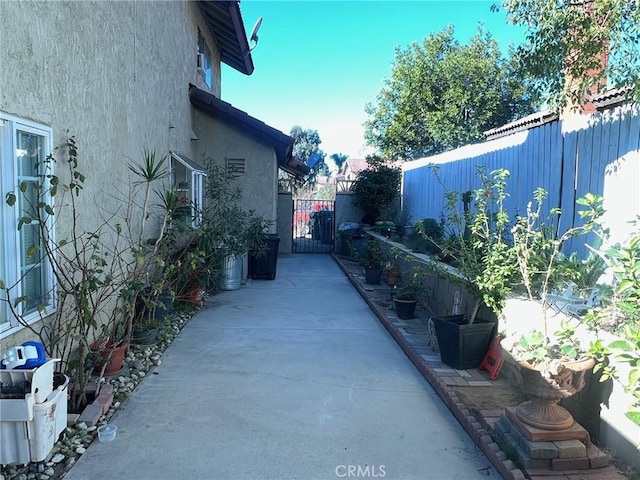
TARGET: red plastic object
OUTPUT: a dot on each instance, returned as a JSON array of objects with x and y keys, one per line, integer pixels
[{"x": 493, "y": 360}]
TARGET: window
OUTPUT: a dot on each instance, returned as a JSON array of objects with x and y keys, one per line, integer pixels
[
  {"x": 204, "y": 59},
  {"x": 187, "y": 177},
  {"x": 24, "y": 145}
]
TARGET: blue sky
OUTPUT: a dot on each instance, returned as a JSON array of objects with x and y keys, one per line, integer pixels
[{"x": 317, "y": 63}]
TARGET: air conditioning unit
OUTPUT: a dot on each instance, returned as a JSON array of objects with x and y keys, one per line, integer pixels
[{"x": 200, "y": 61}]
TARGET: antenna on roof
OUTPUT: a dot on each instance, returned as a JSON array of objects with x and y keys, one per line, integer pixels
[{"x": 254, "y": 33}]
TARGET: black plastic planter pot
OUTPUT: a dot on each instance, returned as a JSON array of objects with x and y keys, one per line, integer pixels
[
  {"x": 144, "y": 337},
  {"x": 372, "y": 276},
  {"x": 463, "y": 345},
  {"x": 405, "y": 309},
  {"x": 265, "y": 267},
  {"x": 163, "y": 305}
]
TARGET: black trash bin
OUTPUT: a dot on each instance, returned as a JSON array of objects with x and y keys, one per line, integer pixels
[
  {"x": 325, "y": 219},
  {"x": 265, "y": 267}
]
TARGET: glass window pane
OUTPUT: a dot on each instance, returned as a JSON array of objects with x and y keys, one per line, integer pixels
[
  {"x": 33, "y": 287},
  {"x": 29, "y": 152}
]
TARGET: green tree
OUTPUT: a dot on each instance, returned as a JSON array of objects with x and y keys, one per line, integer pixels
[
  {"x": 565, "y": 43},
  {"x": 339, "y": 159},
  {"x": 306, "y": 146},
  {"x": 375, "y": 190},
  {"x": 443, "y": 94}
]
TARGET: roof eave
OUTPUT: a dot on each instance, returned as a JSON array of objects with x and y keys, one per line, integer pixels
[
  {"x": 232, "y": 45},
  {"x": 210, "y": 104}
]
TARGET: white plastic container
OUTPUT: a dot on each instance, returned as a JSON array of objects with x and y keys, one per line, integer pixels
[
  {"x": 49, "y": 421},
  {"x": 41, "y": 379},
  {"x": 28, "y": 430},
  {"x": 107, "y": 433},
  {"x": 14, "y": 443}
]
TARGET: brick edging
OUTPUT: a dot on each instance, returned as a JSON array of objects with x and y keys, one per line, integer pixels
[{"x": 491, "y": 449}]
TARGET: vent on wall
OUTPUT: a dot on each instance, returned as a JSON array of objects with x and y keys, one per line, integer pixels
[{"x": 235, "y": 166}]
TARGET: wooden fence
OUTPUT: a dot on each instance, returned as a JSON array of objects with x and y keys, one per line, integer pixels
[{"x": 597, "y": 153}]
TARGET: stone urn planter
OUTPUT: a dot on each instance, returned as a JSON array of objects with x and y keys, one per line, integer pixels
[{"x": 542, "y": 409}]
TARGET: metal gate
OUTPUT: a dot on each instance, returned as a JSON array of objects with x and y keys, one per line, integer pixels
[{"x": 313, "y": 226}]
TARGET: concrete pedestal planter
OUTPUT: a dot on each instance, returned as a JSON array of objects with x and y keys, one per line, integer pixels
[
  {"x": 463, "y": 345},
  {"x": 542, "y": 409}
]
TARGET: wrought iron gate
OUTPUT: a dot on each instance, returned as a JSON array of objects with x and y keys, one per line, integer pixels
[{"x": 313, "y": 226}]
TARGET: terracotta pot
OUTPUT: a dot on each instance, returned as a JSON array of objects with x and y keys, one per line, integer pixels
[
  {"x": 195, "y": 296},
  {"x": 393, "y": 277},
  {"x": 112, "y": 354},
  {"x": 542, "y": 410}
]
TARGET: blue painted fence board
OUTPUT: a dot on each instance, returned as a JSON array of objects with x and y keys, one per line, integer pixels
[{"x": 568, "y": 160}]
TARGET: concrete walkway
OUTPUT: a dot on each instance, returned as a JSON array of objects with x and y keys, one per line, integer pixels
[{"x": 287, "y": 379}]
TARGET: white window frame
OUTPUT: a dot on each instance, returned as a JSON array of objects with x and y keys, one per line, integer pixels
[
  {"x": 207, "y": 66},
  {"x": 196, "y": 183},
  {"x": 10, "y": 255}
]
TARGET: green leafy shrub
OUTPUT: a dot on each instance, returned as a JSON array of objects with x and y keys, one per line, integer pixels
[
  {"x": 373, "y": 256},
  {"x": 428, "y": 236}
]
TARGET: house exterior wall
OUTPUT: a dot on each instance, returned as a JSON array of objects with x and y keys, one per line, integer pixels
[
  {"x": 115, "y": 75},
  {"x": 218, "y": 142}
]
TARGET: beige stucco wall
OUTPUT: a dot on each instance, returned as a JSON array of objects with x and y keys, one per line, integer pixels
[
  {"x": 115, "y": 75},
  {"x": 218, "y": 142},
  {"x": 285, "y": 222}
]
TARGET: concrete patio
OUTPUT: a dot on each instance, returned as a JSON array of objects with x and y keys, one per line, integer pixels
[{"x": 285, "y": 379}]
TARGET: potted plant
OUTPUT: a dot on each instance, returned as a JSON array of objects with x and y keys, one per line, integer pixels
[
  {"x": 405, "y": 227},
  {"x": 392, "y": 274},
  {"x": 428, "y": 236},
  {"x": 263, "y": 247},
  {"x": 550, "y": 367},
  {"x": 407, "y": 294},
  {"x": 110, "y": 347},
  {"x": 484, "y": 266},
  {"x": 385, "y": 228},
  {"x": 373, "y": 259}
]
